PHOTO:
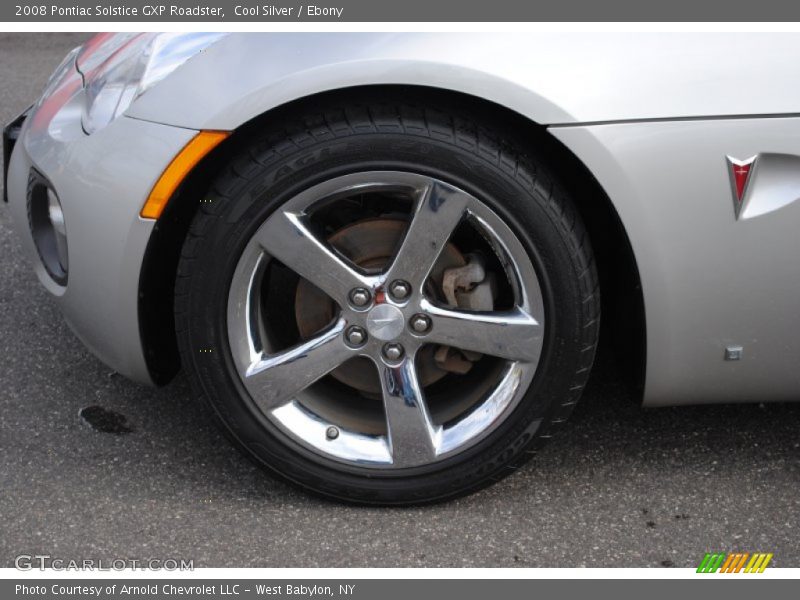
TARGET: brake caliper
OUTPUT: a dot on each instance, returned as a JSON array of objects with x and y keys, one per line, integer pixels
[{"x": 469, "y": 288}]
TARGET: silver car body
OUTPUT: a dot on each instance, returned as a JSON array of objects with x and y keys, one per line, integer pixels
[{"x": 652, "y": 116}]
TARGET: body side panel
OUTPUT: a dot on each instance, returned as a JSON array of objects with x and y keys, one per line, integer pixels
[{"x": 709, "y": 281}]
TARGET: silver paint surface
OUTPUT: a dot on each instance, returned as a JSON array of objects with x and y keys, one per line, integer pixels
[{"x": 708, "y": 281}]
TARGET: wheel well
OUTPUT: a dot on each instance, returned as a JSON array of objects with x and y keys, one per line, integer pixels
[{"x": 622, "y": 336}]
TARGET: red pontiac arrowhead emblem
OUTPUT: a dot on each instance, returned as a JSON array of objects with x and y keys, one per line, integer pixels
[{"x": 740, "y": 172}]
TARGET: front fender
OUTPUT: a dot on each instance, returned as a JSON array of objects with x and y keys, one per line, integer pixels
[{"x": 550, "y": 78}]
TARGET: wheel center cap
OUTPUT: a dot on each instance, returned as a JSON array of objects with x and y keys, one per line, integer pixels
[{"x": 385, "y": 322}]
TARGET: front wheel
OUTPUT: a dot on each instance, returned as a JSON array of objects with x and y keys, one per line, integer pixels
[{"x": 386, "y": 304}]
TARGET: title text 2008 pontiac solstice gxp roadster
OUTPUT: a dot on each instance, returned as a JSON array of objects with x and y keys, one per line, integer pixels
[{"x": 380, "y": 257}]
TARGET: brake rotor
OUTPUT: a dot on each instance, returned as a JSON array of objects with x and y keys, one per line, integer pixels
[{"x": 370, "y": 244}]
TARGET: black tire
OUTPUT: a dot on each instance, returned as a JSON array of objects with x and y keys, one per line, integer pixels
[{"x": 377, "y": 133}]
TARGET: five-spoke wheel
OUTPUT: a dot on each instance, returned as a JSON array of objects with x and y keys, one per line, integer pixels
[{"x": 385, "y": 315}]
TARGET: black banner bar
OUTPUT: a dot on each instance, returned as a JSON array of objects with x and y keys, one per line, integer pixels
[
  {"x": 397, "y": 11},
  {"x": 704, "y": 586}
]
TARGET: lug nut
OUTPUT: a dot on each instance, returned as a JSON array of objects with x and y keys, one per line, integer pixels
[
  {"x": 420, "y": 323},
  {"x": 393, "y": 351},
  {"x": 400, "y": 290},
  {"x": 355, "y": 335},
  {"x": 359, "y": 297}
]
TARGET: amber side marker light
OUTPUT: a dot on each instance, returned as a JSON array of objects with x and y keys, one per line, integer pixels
[{"x": 192, "y": 153}]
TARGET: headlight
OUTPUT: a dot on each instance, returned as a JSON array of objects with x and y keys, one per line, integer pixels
[
  {"x": 119, "y": 68},
  {"x": 66, "y": 65}
]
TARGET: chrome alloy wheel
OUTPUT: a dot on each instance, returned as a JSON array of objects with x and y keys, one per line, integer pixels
[{"x": 388, "y": 316}]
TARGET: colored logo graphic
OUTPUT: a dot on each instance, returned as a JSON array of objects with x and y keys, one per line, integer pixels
[
  {"x": 739, "y": 174},
  {"x": 714, "y": 562}
]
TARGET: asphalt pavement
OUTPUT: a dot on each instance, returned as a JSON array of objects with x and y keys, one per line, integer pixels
[{"x": 620, "y": 486}]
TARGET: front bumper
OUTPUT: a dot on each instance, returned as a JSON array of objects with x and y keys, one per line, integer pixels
[
  {"x": 102, "y": 182},
  {"x": 10, "y": 136}
]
